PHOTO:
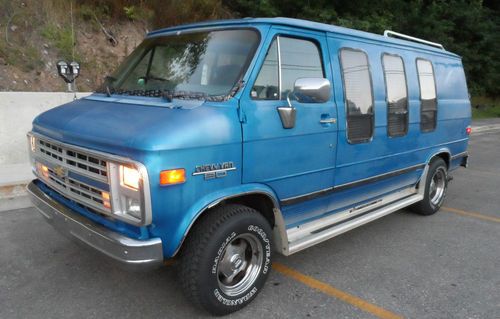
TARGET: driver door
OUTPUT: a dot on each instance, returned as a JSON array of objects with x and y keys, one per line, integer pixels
[{"x": 298, "y": 163}]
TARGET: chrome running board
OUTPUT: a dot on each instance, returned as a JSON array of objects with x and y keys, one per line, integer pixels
[{"x": 317, "y": 231}]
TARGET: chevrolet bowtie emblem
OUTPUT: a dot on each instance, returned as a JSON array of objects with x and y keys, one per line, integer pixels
[{"x": 60, "y": 171}]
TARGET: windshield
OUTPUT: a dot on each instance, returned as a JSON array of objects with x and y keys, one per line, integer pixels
[{"x": 198, "y": 64}]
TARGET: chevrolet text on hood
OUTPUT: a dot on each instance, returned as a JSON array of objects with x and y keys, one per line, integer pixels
[{"x": 221, "y": 143}]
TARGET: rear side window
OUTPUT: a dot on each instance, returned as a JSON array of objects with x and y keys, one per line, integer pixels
[
  {"x": 286, "y": 60},
  {"x": 428, "y": 100},
  {"x": 397, "y": 95},
  {"x": 358, "y": 95}
]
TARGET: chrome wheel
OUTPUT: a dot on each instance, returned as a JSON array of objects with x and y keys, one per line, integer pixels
[
  {"x": 437, "y": 186},
  {"x": 240, "y": 265}
]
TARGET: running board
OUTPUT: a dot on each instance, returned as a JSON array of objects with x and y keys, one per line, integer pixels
[{"x": 315, "y": 232}]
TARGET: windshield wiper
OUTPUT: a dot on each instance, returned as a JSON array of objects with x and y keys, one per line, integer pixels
[{"x": 186, "y": 95}]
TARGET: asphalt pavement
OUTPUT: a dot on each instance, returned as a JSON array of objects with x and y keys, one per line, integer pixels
[{"x": 403, "y": 265}]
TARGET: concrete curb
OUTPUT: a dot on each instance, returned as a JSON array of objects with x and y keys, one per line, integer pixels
[{"x": 14, "y": 197}]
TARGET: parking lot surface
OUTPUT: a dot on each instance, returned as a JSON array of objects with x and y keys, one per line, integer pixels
[{"x": 403, "y": 265}]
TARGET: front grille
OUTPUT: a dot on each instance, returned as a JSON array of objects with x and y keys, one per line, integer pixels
[
  {"x": 65, "y": 164},
  {"x": 85, "y": 194},
  {"x": 76, "y": 160}
]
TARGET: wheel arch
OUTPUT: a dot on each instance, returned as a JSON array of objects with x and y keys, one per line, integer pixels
[
  {"x": 443, "y": 153},
  {"x": 260, "y": 198}
]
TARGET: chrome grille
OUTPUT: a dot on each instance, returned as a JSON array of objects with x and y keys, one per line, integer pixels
[
  {"x": 76, "y": 160},
  {"x": 87, "y": 195},
  {"x": 63, "y": 166}
]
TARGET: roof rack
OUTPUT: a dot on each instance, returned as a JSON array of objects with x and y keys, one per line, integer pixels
[{"x": 389, "y": 33}]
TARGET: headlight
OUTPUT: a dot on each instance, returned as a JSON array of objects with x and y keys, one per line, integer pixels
[
  {"x": 133, "y": 207},
  {"x": 128, "y": 193},
  {"x": 130, "y": 177}
]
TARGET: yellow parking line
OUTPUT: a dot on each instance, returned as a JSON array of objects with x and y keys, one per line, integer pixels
[
  {"x": 334, "y": 292},
  {"x": 472, "y": 214}
]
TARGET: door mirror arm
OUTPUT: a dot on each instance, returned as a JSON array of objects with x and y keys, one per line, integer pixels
[{"x": 288, "y": 113}]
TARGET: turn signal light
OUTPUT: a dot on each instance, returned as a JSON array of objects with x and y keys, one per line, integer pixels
[
  {"x": 43, "y": 170},
  {"x": 173, "y": 176},
  {"x": 105, "y": 199},
  {"x": 468, "y": 130}
]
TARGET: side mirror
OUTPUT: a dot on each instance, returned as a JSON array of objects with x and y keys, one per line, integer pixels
[
  {"x": 306, "y": 90},
  {"x": 312, "y": 90}
]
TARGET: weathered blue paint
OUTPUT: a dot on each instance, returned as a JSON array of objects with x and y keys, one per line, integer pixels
[{"x": 270, "y": 160}]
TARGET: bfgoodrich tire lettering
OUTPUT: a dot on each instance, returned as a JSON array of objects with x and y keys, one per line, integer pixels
[{"x": 226, "y": 259}]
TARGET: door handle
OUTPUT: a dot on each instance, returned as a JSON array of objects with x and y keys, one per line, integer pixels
[{"x": 330, "y": 120}]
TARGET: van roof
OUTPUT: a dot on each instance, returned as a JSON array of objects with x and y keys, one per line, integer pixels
[{"x": 305, "y": 24}]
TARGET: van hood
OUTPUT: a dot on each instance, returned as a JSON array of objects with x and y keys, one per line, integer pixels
[{"x": 125, "y": 128}]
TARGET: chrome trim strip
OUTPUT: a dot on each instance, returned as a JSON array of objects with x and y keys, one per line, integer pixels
[
  {"x": 126, "y": 250},
  {"x": 306, "y": 240},
  {"x": 326, "y": 191},
  {"x": 319, "y": 230},
  {"x": 279, "y": 65}
]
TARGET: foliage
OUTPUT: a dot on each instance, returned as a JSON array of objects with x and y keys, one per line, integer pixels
[
  {"x": 484, "y": 107},
  {"x": 62, "y": 38},
  {"x": 470, "y": 28},
  {"x": 136, "y": 13}
]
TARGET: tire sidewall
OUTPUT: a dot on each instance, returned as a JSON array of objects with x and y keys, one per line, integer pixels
[{"x": 250, "y": 223}]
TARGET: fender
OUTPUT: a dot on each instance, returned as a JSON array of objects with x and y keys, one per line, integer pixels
[
  {"x": 442, "y": 150},
  {"x": 215, "y": 198}
]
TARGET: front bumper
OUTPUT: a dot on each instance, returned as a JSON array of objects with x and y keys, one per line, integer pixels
[{"x": 127, "y": 251}]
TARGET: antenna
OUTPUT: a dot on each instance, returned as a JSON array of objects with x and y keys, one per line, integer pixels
[{"x": 389, "y": 33}]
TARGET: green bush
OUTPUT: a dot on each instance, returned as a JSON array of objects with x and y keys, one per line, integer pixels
[{"x": 61, "y": 37}]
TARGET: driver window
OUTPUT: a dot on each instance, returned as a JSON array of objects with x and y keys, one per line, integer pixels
[{"x": 297, "y": 58}]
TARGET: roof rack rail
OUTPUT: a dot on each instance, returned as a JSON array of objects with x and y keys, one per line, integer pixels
[{"x": 389, "y": 33}]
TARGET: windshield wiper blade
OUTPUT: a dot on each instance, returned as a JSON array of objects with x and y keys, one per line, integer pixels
[{"x": 187, "y": 95}]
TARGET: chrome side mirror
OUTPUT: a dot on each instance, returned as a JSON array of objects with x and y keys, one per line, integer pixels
[
  {"x": 306, "y": 90},
  {"x": 312, "y": 90}
]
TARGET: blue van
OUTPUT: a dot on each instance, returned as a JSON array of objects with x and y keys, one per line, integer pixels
[{"x": 219, "y": 143}]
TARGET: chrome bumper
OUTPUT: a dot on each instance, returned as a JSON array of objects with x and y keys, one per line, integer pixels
[{"x": 127, "y": 251}]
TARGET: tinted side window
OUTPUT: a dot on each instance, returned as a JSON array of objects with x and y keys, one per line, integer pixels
[
  {"x": 266, "y": 85},
  {"x": 397, "y": 95},
  {"x": 296, "y": 58},
  {"x": 428, "y": 100},
  {"x": 299, "y": 59},
  {"x": 358, "y": 95}
]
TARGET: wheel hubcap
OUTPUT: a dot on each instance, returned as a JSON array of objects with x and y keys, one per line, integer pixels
[
  {"x": 437, "y": 186},
  {"x": 240, "y": 265}
]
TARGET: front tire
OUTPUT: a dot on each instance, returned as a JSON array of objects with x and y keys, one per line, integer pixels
[
  {"x": 226, "y": 259},
  {"x": 436, "y": 185}
]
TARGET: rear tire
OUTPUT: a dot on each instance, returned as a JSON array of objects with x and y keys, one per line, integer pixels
[
  {"x": 226, "y": 259},
  {"x": 436, "y": 185}
]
